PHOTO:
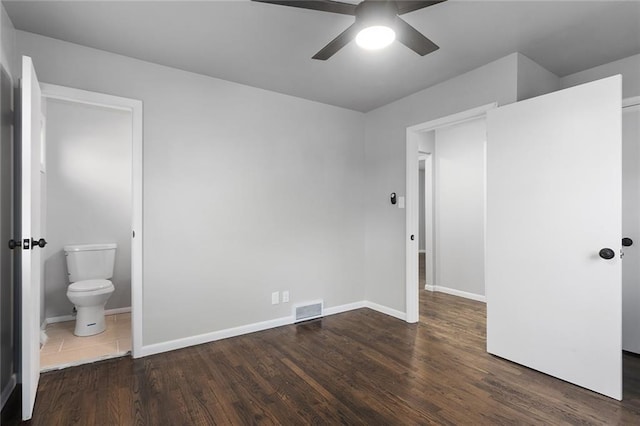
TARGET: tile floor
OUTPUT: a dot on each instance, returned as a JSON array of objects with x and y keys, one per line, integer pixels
[{"x": 64, "y": 349}]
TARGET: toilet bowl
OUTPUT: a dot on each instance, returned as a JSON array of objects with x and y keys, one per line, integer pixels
[
  {"x": 89, "y": 298},
  {"x": 90, "y": 268}
]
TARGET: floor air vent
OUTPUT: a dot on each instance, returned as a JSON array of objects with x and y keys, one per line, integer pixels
[{"x": 307, "y": 312}]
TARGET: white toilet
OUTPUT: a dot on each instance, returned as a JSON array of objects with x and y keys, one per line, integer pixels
[{"x": 90, "y": 267}]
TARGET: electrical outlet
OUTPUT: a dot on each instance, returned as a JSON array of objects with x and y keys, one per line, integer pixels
[
  {"x": 285, "y": 296},
  {"x": 275, "y": 297}
]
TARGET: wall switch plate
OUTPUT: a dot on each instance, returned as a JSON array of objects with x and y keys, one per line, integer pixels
[
  {"x": 401, "y": 202},
  {"x": 275, "y": 297},
  {"x": 285, "y": 296}
]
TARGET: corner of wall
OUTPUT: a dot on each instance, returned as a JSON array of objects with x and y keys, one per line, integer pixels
[
  {"x": 8, "y": 54},
  {"x": 533, "y": 79},
  {"x": 628, "y": 67}
]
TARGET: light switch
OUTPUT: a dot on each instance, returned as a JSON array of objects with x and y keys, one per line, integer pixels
[{"x": 401, "y": 202}]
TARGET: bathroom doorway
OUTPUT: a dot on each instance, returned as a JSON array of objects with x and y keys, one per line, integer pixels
[{"x": 91, "y": 182}]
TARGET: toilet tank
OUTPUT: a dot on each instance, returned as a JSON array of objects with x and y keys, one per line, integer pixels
[{"x": 90, "y": 261}]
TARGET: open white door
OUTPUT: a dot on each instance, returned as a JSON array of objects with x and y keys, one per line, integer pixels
[
  {"x": 553, "y": 202},
  {"x": 31, "y": 132}
]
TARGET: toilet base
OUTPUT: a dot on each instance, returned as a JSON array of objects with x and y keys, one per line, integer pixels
[{"x": 89, "y": 320}]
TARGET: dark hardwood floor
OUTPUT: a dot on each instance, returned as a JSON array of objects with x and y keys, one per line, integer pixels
[{"x": 360, "y": 367}]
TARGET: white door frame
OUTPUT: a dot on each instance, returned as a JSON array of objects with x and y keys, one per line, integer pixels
[
  {"x": 51, "y": 91},
  {"x": 411, "y": 219}
]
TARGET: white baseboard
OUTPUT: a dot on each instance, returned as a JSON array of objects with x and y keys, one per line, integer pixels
[
  {"x": 115, "y": 311},
  {"x": 6, "y": 392},
  {"x": 236, "y": 331},
  {"x": 454, "y": 292},
  {"x": 213, "y": 336},
  {"x": 171, "y": 345},
  {"x": 386, "y": 310},
  {"x": 343, "y": 308},
  {"x": 63, "y": 318}
]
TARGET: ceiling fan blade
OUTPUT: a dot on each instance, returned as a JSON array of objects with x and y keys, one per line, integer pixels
[
  {"x": 406, "y": 6},
  {"x": 413, "y": 39},
  {"x": 322, "y": 5},
  {"x": 337, "y": 43}
]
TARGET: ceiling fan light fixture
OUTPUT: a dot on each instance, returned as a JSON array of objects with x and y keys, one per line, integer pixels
[{"x": 375, "y": 37}]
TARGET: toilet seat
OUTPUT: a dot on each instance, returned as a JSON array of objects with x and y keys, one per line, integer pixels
[{"x": 89, "y": 285}]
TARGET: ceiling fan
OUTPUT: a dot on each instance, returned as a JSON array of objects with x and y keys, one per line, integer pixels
[{"x": 376, "y": 26}]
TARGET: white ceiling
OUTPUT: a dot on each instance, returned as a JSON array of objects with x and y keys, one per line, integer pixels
[{"x": 270, "y": 46}]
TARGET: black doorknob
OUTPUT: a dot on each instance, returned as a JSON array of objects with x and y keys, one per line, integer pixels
[
  {"x": 38, "y": 243},
  {"x": 607, "y": 253},
  {"x": 626, "y": 242},
  {"x": 13, "y": 244}
]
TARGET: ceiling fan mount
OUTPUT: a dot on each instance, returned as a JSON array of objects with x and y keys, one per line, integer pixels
[
  {"x": 380, "y": 18},
  {"x": 374, "y": 12}
]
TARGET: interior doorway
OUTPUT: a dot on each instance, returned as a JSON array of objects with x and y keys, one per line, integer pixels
[
  {"x": 504, "y": 179},
  {"x": 453, "y": 206},
  {"x": 113, "y": 192}
]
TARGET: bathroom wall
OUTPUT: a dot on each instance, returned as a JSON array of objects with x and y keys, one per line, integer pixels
[{"x": 88, "y": 173}]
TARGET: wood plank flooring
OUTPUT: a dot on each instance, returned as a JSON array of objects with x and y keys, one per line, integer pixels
[{"x": 360, "y": 367}]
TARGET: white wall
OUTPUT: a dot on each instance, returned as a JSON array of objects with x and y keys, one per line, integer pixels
[
  {"x": 535, "y": 80},
  {"x": 629, "y": 68},
  {"x": 426, "y": 145},
  {"x": 89, "y": 194},
  {"x": 459, "y": 206},
  {"x": 246, "y": 192},
  {"x": 385, "y": 165}
]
